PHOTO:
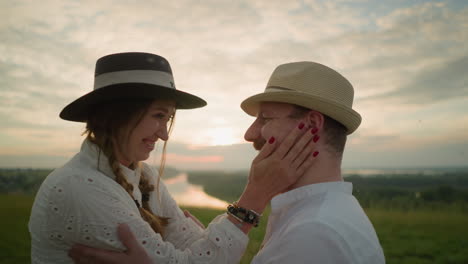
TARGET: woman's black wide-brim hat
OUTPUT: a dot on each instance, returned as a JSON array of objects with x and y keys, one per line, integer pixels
[{"x": 130, "y": 76}]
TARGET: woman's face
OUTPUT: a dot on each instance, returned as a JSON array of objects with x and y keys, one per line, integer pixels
[{"x": 152, "y": 127}]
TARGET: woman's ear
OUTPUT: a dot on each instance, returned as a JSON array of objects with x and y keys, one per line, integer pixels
[{"x": 315, "y": 119}]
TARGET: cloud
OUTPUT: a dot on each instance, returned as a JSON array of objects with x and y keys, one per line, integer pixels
[
  {"x": 445, "y": 82},
  {"x": 405, "y": 61},
  {"x": 405, "y": 43}
]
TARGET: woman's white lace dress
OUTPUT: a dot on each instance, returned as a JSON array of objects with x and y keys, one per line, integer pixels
[{"x": 80, "y": 203}]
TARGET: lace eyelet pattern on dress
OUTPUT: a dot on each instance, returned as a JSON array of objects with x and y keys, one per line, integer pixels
[{"x": 80, "y": 203}]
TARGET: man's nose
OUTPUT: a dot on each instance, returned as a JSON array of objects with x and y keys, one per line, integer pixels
[{"x": 253, "y": 132}]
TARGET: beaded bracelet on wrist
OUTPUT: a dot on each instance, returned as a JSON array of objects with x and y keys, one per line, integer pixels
[{"x": 244, "y": 215}]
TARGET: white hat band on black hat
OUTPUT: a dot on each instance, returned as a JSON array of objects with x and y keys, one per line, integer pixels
[
  {"x": 130, "y": 76},
  {"x": 134, "y": 76}
]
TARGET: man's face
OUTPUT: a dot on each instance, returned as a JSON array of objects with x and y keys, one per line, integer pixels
[{"x": 273, "y": 120}]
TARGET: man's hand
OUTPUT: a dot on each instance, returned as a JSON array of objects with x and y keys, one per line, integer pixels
[{"x": 135, "y": 253}]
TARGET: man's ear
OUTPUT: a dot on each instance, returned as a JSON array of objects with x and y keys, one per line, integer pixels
[{"x": 315, "y": 119}]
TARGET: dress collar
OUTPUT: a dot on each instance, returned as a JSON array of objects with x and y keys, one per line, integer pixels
[
  {"x": 282, "y": 200},
  {"x": 97, "y": 158}
]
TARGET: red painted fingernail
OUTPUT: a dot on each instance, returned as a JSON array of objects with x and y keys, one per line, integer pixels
[
  {"x": 301, "y": 125},
  {"x": 316, "y": 138},
  {"x": 314, "y": 130},
  {"x": 271, "y": 140},
  {"x": 315, "y": 154}
]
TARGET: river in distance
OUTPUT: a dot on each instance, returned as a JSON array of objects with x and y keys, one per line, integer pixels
[{"x": 188, "y": 194}]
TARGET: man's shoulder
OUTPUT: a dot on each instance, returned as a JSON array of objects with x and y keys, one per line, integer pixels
[
  {"x": 335, "y": 210},
  {"x": 322, "y": 209},
  {"x": 331, "y": 238},
  {"x": 301, "y": 241},
  {"x": 337, "y": 215},
  {"x": 311, "y": 227},
  {"x": 342, "y": 226}
]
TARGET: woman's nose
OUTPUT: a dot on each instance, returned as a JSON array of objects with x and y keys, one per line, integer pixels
[{"x": 162, "y": 133}]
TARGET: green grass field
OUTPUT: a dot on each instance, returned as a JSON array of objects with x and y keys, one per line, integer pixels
[{"x": 407, "y": 237}]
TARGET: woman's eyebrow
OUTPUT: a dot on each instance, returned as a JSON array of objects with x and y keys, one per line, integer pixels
[
  {"x": 160, "y": 108},
  {"x": 163, "y": 109}
]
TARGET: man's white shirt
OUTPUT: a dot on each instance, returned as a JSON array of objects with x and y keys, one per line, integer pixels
[{"x": 319, "y": 223}]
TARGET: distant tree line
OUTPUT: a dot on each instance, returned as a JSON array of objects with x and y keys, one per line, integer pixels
[
  {"x": 28, "y": 181},
  {"x": 449, "y": 190},
  {"x": 22, "y": 180},
  {"x": 388, "y": 191},
  {"x": 412, "y": 191}
]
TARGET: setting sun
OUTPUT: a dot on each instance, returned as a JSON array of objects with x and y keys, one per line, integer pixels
[{"x": 222, "y": 136}]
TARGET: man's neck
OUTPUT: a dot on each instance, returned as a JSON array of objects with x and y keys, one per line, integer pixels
[{"x": 326, "y": 168}]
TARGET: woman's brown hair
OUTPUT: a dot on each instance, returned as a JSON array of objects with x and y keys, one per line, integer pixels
[{"x": 111, "y": 124}]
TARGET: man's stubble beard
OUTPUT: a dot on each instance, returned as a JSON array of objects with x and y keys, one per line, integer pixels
[{"x": 259, "y": 143}]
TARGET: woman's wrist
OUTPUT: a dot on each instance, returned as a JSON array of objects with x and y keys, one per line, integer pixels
[
  {"x": 253, "y": 200},
  {"x": 244, "y": 215}
]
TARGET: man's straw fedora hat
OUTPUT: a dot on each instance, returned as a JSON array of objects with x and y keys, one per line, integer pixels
[
  {"x": 130, "y": 76},
  {"x": 311, "y": 85}
]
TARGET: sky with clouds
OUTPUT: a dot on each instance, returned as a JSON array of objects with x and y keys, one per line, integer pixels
[{"x": 407, "y": 59}]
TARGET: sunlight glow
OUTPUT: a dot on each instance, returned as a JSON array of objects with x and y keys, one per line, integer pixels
[{"x": 222, "y": 136}]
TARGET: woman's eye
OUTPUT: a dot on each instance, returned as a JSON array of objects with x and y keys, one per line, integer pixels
[
  {"x": 162, "y": 116},
  {"x": 159, "y": 116}
]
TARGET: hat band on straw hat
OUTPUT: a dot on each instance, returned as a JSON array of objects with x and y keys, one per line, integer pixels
[
  {"x": 159, "y": 78},
  {"x": 277, "y": 89}
]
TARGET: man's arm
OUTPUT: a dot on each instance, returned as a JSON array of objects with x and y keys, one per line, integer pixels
[{"x": 134, "y": 253}]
